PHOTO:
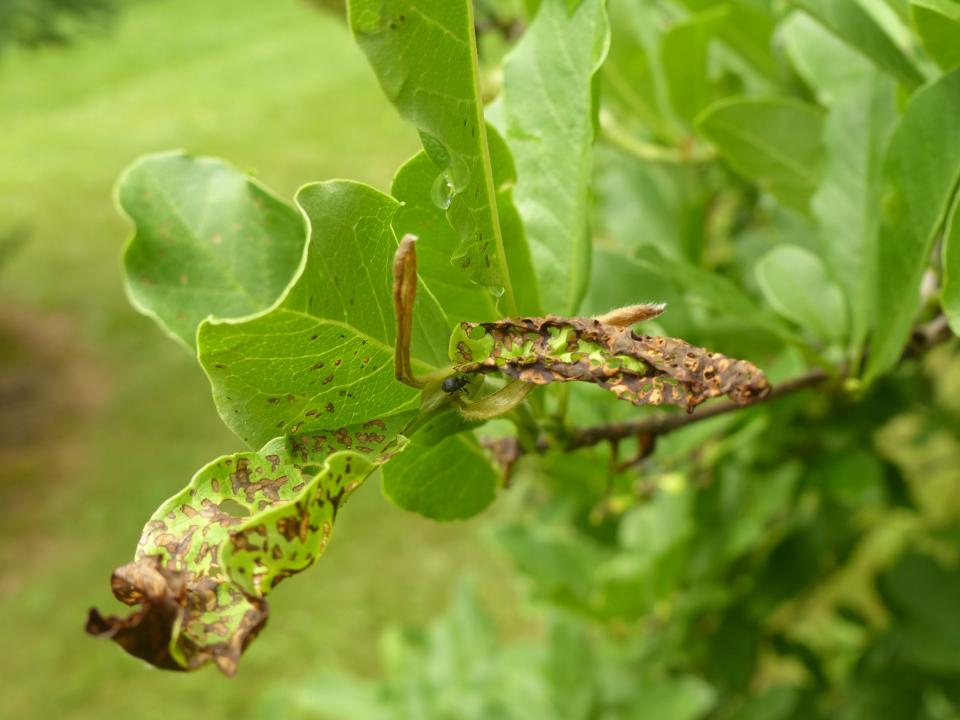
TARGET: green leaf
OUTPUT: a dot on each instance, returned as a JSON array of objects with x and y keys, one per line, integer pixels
[
  {"x": 950, "y": 295},
  {"x": 847, "y": 204},
  {"x": 549, "y": 105},
  {"x": 938, "y": 24},
  {"x": 715, "y": 291},
  {"x": 685, "y": 52},
  {"x": 460, "y": 298},
  {"x": 776, "y": 142},
  {"x": 443, "y": 474},
  {"x": 747, "y": 30},
  {"x": 209, "y": 240},
  {"x": 210, "y": 554},
  {"x": 322, "y": 357},
  {"x": 424, "y": 55},
  {"x": 827, "y": 64},
  {"x": 856, "y": 27},
  {"x": 923, "y": 596},
  {"x": 795, "y": 283},
  {"x": 630, "y": 78},
  {"x": 920, "y": 173},
  {"x": 682, "y": 698}
]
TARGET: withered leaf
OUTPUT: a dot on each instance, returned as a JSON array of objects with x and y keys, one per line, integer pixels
[
  {"x": 210, "y": 554},
  {"x": 642, "y": 369}
]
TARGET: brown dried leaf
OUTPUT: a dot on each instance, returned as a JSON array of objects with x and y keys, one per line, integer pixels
[{"x": 642, "y": 369}]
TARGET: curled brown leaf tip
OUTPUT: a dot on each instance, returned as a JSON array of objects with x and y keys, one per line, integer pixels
[
  {"x": 631, "y": 314},
  {"x": 169, "y": 601},
  {"x": 404, "y": 295}
]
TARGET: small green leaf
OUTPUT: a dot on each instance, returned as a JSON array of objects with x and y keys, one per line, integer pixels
[
  {"x": 923, "y": 595},
  {"x": 549, "y": 104},
  {"x": 938, "y": 24},
  {"x": 795, "y": 283},
  {"x": 950, "y": 296},
  {"x": 846, "y": 205},
  {"x": 680, "y": 698},
  {"x": 747, "y": 30},
  {"x": 848, "y": 20},
  {"x": 630, "y": 78},
  {"x": 685, "y": 52},
  {"x": 209, "y": 240},
  {"x": 443, "y": 474},
  {"x": 826, "y": 63},
  {"x": 920, "y": 173},
  {"x": 776, "y": 142},
  {"x": 425, "y": 57},
  {"x": 322, "y": 357}
]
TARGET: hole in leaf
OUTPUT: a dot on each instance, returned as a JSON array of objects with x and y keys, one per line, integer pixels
[{"x": 233, "y": 508}]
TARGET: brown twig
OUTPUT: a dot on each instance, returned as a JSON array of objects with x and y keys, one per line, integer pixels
[
  {"x": 660, "y": 423},
  {"x": 922, "y": 339}
]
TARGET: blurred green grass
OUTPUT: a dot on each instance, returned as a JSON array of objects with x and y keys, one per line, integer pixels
[{"x": 279, "y": 89}]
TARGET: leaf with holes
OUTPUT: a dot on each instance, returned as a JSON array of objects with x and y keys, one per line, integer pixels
[
  {"x": 211, "y": 553},
  {"x": 640, "y": 369}
]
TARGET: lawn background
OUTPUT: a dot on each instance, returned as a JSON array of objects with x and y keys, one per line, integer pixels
[{"x": 114, "y": 417}]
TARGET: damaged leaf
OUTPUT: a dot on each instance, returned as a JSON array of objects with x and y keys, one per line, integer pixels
[
  {"x": 424, "y": 55},
  {"x": 641, "y": 369},
  {"x": 322, "y": 356},
  {"x": 210, "y": 554}
]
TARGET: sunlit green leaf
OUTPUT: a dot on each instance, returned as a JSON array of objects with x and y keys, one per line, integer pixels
[
  {"x": 795, "y": 283},
  {"x": 855, "y": 26},
  {"x": 322, "y": 357},
  {"x": 846, "y": 205},
  {"x": 938, "y": 23},
  {"x": 418, "y": 215},
  {"x": 424, "y": 55},
  {"x": 827, "y": 64},
  {"x": 443, "y": 474},
  {"x": 549, "y": 102},
  {"x": 920, "y": 174},
  {"x": 209, "y": 240},
  {"x": 775, "y": 142}
]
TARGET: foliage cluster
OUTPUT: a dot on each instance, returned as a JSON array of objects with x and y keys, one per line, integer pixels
[
  {"x": 782, "y": 174},
  {"x": 32, "y": 23}
]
